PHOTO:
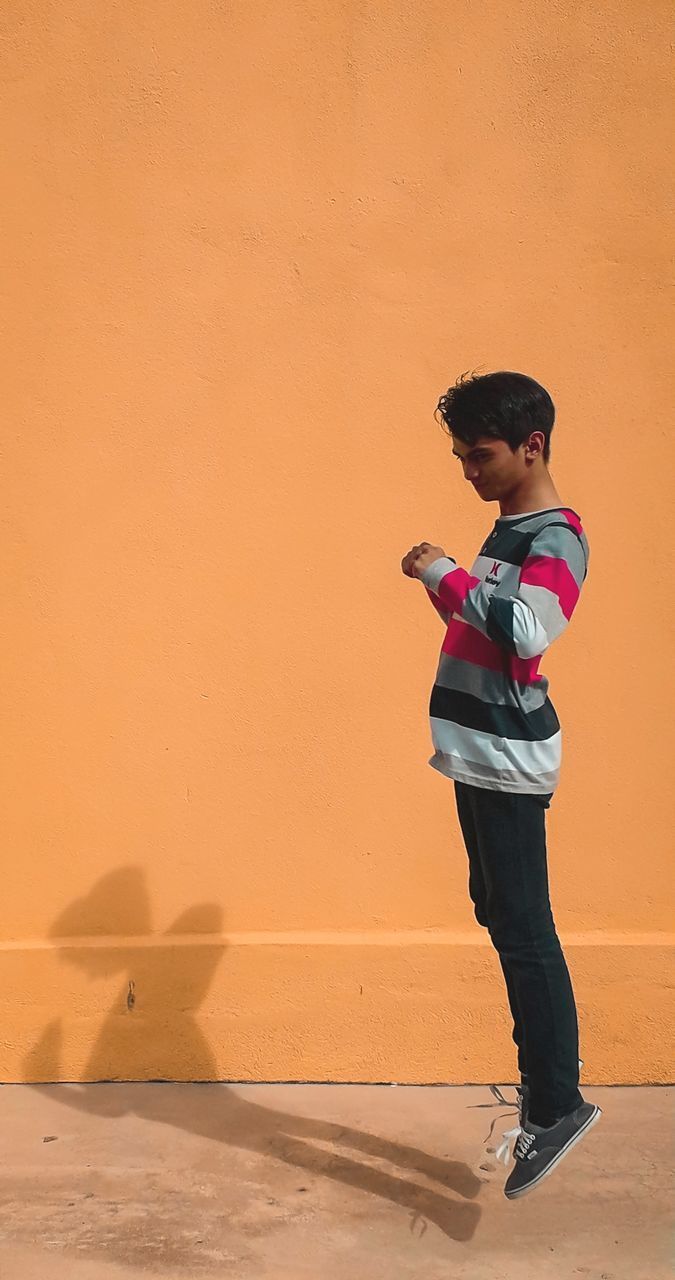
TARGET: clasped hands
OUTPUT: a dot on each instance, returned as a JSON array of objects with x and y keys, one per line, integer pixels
[{"x": 419, "y": 558}]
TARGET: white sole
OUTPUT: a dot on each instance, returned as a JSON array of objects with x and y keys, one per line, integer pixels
[{"x": 522, "y": 1191}]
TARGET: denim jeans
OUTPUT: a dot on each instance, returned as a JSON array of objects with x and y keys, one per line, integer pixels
[{"x": 505, "y": 837}]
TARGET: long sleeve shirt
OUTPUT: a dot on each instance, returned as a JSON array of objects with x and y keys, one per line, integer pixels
[{"x": 492, "y": 722}]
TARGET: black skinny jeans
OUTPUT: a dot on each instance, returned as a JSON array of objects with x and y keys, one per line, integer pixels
[{"x": 505, "y": 838}]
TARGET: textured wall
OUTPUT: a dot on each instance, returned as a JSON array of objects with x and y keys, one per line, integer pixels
[{"x": 246, "y": 247}]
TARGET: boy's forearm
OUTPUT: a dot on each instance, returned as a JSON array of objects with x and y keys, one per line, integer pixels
[
  {"x": 442, "y": 612},
  {"x": 524, "y": 623}
]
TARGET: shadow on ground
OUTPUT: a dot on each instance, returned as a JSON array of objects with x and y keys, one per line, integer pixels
[{"x": 119, "y": 904}]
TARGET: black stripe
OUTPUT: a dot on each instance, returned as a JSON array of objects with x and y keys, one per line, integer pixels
[
  {"x": 512, "y": 546},
  {"x": 490, "y": 717},
  {"x": 499, "y": 623}
]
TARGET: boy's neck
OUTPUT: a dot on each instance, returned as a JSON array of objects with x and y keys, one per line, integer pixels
[{"x": 530, "y": 497}]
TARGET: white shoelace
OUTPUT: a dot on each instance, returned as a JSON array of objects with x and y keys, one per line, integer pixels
[
  {"x": 523, "y": 1144},
  {"x": 511, "y": 1136},
  {"x": 503, "y": 1151}
]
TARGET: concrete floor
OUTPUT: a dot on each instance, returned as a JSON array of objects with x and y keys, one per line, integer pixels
[{"x": 321, "y": 1182}]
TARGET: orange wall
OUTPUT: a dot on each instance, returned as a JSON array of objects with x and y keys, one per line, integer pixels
[{"x": 247, "y": 247}]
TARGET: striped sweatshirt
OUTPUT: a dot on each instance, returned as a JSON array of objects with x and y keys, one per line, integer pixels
[{"x": 492, "y": 722}]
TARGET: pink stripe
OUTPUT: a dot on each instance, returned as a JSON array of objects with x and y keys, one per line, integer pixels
[
  {"x": 573, "y": 519},
  {"x": 455, "y": 587},
  {"x": 469, "y": 644},
  {"x": 555, "y": 575},
  {"x": 440, "y": 608}
]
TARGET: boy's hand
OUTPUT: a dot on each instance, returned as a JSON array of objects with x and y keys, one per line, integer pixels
[{"x": 419, "y": 558}]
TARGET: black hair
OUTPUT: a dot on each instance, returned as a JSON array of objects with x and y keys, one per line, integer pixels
[{"x": 506, "y": 406}]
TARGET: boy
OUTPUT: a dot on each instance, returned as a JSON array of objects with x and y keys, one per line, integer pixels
[{"x": 497, "y": 735}]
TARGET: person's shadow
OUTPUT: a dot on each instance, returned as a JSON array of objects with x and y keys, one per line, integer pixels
[{"x": 177, "y": 973}]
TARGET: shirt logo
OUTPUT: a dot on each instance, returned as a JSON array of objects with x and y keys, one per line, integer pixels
[{"x": 492, "y": 577}]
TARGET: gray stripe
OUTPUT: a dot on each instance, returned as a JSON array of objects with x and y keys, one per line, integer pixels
[
  {"x": 563, "y": 543},
  {"x": 489, "y": 686}
]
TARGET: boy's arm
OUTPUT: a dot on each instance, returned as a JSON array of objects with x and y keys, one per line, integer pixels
[
  {"x": 528, "y": 621},
  {"x": 438, "y": 606}
]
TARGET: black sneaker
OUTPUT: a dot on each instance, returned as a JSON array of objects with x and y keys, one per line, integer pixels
[
  {"x": 522, "y": 1103},
  {"x": 538, "y": 1150}
]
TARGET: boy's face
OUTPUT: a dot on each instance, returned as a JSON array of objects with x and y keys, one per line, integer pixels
[{"x": 491, "y": 467}]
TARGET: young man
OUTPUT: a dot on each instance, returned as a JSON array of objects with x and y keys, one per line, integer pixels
[{"x": 496, "y": 733}]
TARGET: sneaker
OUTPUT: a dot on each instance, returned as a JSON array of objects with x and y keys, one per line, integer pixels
[
  {"x": 522, "y": 1102},
  {"x": 538, "y": 1150}
]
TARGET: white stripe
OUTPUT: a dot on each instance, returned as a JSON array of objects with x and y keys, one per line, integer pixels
[
  {"x": 529, "y": 637},
  {"x": 496, "y": 753},
  {"x": 508, "y": 574}
]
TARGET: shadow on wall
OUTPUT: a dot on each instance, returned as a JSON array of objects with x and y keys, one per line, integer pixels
[{"x": 119, "y": 904}]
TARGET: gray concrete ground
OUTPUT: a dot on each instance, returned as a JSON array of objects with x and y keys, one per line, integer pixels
[{"x": 321, "y": 1182}]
